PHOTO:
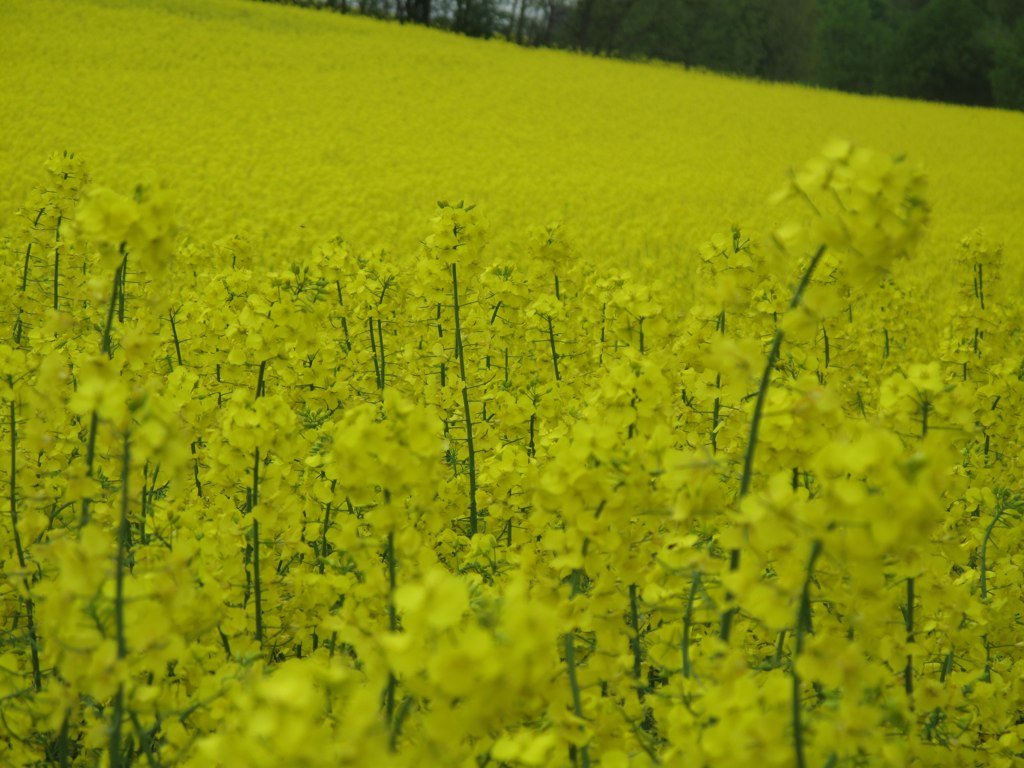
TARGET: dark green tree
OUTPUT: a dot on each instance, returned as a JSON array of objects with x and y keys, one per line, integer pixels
[
  {"x": 658, "y": 29},
  {"x": 758, "y": 38},
  {"x": 963, "y": 51},
  {"x": 939, "y": 53},
  {"x": 850, "y": 40},
  {"x": 1006, "y": 12},
  {"x": 418, "y": 11},
  {"x": 598, "y": 24},
  {"x": 476, "y": 18},
  {"x": 1007, "y": 74}
]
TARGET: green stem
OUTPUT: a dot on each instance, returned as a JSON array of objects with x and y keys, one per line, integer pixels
[
  {"x": 531, "y": 448},
  {"x": 261, "y": 380},
  {"x": 688, "y": 622},
  {"x": 62, "y": 747},
  {"x": 90, "y": 459},
  {"x": 105, "y": 342},
  {"x": 323, "y": 531},
  {"x": 554, "y": 351},
  {"x": 984, "y": 553},
  {"x": 144, "y": 505},
  {"x": 33, "y": 642},
  {"x": 177, "y": 341},
  {"x": 389, "y": 693},
  {"x": 195, "y": 470},
  {"x": 458, "y": 320},
  {"x": 24, "y": 270},
  {"x": 460, "y": 353},
  {"x": 755, "y": 421},
  {"x": 257, "y": 583},
  {"x": 581, "y": 756},
  {"x": 373, "y": 349},
  {"x": 908, "y": 671},
  {"x": 56, "y": 278},
  {"x": 123, "y": 533},
  {"x": 117, "y": 714},
  {"x": 983, "y": 564},
  {"x": 574, "y": 686},
  {"x": 716, "y": 414},
  {"x": 380, "y": 339},
  {"x": 766, "y": 376},
  {"x": 257, "y": 586},
  {"x": 145, "y": 740},
  {"x": 634, "y": 640},
  {"x": 716, "y": 409},
  {"x": 803, "y": 627},
  {"x": 392, "y": 582},
  {"x": 123, "y": 293},
  {"x": 344, "y": 318},
  {"x": 780, "y": 645},
  {"x": 947, "y": 667},
  {"x": 116, "y": 758},
  {"x": 473, "y": 513},
  {"x": 396, "y": 725}
]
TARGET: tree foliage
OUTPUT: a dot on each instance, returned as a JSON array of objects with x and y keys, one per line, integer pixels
[{"x": 961, "y": 51}]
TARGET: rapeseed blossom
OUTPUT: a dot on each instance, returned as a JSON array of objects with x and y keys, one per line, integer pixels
[{"x": 489, "y": 493}]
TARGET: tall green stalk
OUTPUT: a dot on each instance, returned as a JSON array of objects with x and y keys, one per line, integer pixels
[
  {"x": 908, "y": 670},
  {"x": 117, "y": 759},
  {"x": 554, "y": 350},
  {"x": 324, "y": 528},
  {"x": 115, "y": 296},
  {"x": 755, "y": 422},
  {"x": 688, "y": 623},
  {"x": 253, "y": 499},
  {"x": 581, "y": 757},
  {"x": 257, "y": 582},
  {"x": 983, "y": 566},
  {"x": 392, "y": 684},
  {"x": 56, "y": 264},
  {"x": 460, "y": 353},
  {"x": 635, "y": 644},
  {"x": 174, "y": 337},
  {"x": 378, "y": 373},
  {"x": 716, "y": 408},
  {"x": 33, "y": 641},
  {"x": 106, "y": 344},
  {"x": 803, "y": 628}
]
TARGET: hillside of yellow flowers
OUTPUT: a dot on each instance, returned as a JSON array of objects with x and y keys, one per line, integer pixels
[
  {"x": 306, "y": 125},
  {"x": 373, "y": 397}
]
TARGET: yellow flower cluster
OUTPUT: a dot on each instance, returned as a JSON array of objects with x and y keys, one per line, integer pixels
[
  {"x": 463, "y": 505},
  {"x": 291, "y": 126},
  {"x": 473, "y": 499}
]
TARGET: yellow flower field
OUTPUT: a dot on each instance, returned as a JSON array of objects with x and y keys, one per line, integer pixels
[{"x": 376, "y": 397}]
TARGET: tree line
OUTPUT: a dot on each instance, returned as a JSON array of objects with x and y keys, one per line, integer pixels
[{"x": 961, "y": 51}]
